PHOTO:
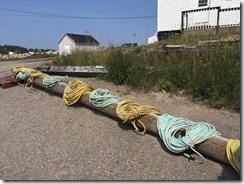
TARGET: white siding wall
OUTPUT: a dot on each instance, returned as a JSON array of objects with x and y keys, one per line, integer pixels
[
  {"x": 64, "y": 41},
  {"x": 225, "y": 3},
  {"x": 169, "y": 13}
]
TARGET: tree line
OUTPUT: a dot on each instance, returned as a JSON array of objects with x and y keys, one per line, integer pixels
[{"x": 5, "y": 49}]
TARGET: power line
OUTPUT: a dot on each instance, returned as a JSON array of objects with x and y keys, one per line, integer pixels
[
  {"x": 72, "y": 17},
  {"x": 23, "y": 15}
]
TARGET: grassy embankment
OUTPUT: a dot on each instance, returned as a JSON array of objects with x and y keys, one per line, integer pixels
[{"x": 210, "y": 75}]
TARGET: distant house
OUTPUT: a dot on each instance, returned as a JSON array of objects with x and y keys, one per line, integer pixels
[
  {"x": 71, "y": 42},
  {"x": 180, "y": 15}
]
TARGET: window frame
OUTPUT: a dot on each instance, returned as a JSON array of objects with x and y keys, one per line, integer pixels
[{"x": 201, "y": 3}]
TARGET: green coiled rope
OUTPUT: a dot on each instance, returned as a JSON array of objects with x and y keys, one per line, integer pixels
[
  {"x": 23, "y": 74},
  {"x": 102, "y": 97},
  {"x": 195, "y": 133},
  {"x": 50, "y": 81}
]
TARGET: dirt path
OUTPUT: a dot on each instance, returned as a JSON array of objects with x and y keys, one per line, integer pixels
[{"x": 41, "y": 138}]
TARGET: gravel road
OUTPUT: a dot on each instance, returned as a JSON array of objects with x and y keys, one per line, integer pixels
[{"x": 43, "y": 139}]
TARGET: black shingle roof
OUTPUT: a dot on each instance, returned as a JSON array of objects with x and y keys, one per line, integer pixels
[{"x": 82, "y": 38}]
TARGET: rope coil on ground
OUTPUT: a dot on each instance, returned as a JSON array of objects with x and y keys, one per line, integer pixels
[
  {"x": 195, "y": 133},
  {"x": 233, "y": 152},
  {"x": 74, "y": 90},
  {"x": 129, "y": 110},
  {"x": 103, "y": 97},
  {"x": 50, "y": 81}
]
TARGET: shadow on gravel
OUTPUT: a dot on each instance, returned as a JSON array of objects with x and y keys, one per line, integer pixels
[
  {"x": 228, "y": 173},
  {"x": 123, "y": 126}
]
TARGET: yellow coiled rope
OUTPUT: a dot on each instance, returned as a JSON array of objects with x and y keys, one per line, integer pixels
[
  {"x": 129, "y": 110},
  {"x": 17, "y": 69},
  {"x": 233, "y": 152},
  {"x": 74, "y": 90}
]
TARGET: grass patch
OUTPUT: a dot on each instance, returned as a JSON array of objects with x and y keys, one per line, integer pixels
[{"x": 210, "y": 74}]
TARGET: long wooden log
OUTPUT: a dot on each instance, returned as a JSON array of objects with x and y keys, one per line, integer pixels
[{"x": 213, "y": 147}]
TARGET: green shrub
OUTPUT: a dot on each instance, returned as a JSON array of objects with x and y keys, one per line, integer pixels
[
  {"x": 118, "y": 65},
  {"x": 83, "y": 58}
]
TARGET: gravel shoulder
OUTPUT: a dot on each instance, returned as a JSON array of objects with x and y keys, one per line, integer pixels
[{"x": 43, "y": 139}]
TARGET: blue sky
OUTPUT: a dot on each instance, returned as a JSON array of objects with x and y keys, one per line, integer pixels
[{"x": 31, "y": 30}]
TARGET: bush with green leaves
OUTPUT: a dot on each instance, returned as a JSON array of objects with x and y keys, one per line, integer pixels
[{"x": 118, "y": 65}]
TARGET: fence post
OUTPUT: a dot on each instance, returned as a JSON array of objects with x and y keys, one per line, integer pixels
[
  {"x": 218, "y": 15},
  {"x": 182, "y": 21},
  {"x": 186, "y": 20}
]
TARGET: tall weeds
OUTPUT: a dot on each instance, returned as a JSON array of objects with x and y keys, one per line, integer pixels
[{"x": 210, "y": 74}]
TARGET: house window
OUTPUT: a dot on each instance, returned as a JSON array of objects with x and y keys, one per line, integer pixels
[{"x": 202, "y": 2}]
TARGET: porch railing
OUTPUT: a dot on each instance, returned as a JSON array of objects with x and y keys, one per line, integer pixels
[{"x": 210, "y": 18}]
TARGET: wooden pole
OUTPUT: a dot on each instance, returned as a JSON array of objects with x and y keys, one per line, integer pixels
[
  {"x": 213, "y": 147},
  {"x": 218, "y": 15}
]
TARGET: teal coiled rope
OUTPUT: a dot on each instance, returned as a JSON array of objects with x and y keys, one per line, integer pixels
[
  {"x": 50, "y": 81},
  {"x": 22, "y": 75},
  {"x": 168, "y": 126},
  {"x": 102, "y": 97}
]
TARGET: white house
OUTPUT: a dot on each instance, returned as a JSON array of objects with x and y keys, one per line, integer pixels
[
  {"x": 181, "y": 15},
  {"x": 71, "y": 42}
]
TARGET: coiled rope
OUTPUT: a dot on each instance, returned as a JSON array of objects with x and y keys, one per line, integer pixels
[
  {"x": 22, "y": 75},
  {"x": 50, "y": 81},
  {"x": 168, "y": 126},
  {"x": 129, "y": 110},
  {"x": 34, "y": 74},
  {"x": 74, "y": 90},
  {"x": 233, "y": 152},
  {"x": 102, "y": 97},
  {"x": 17, "y": 69}
]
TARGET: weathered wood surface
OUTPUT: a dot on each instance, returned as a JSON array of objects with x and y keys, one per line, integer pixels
[
  {"x": 175, "y": 48},
  {"x": 85, "y": 71},
  {"x": 213, "y": 147}
]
